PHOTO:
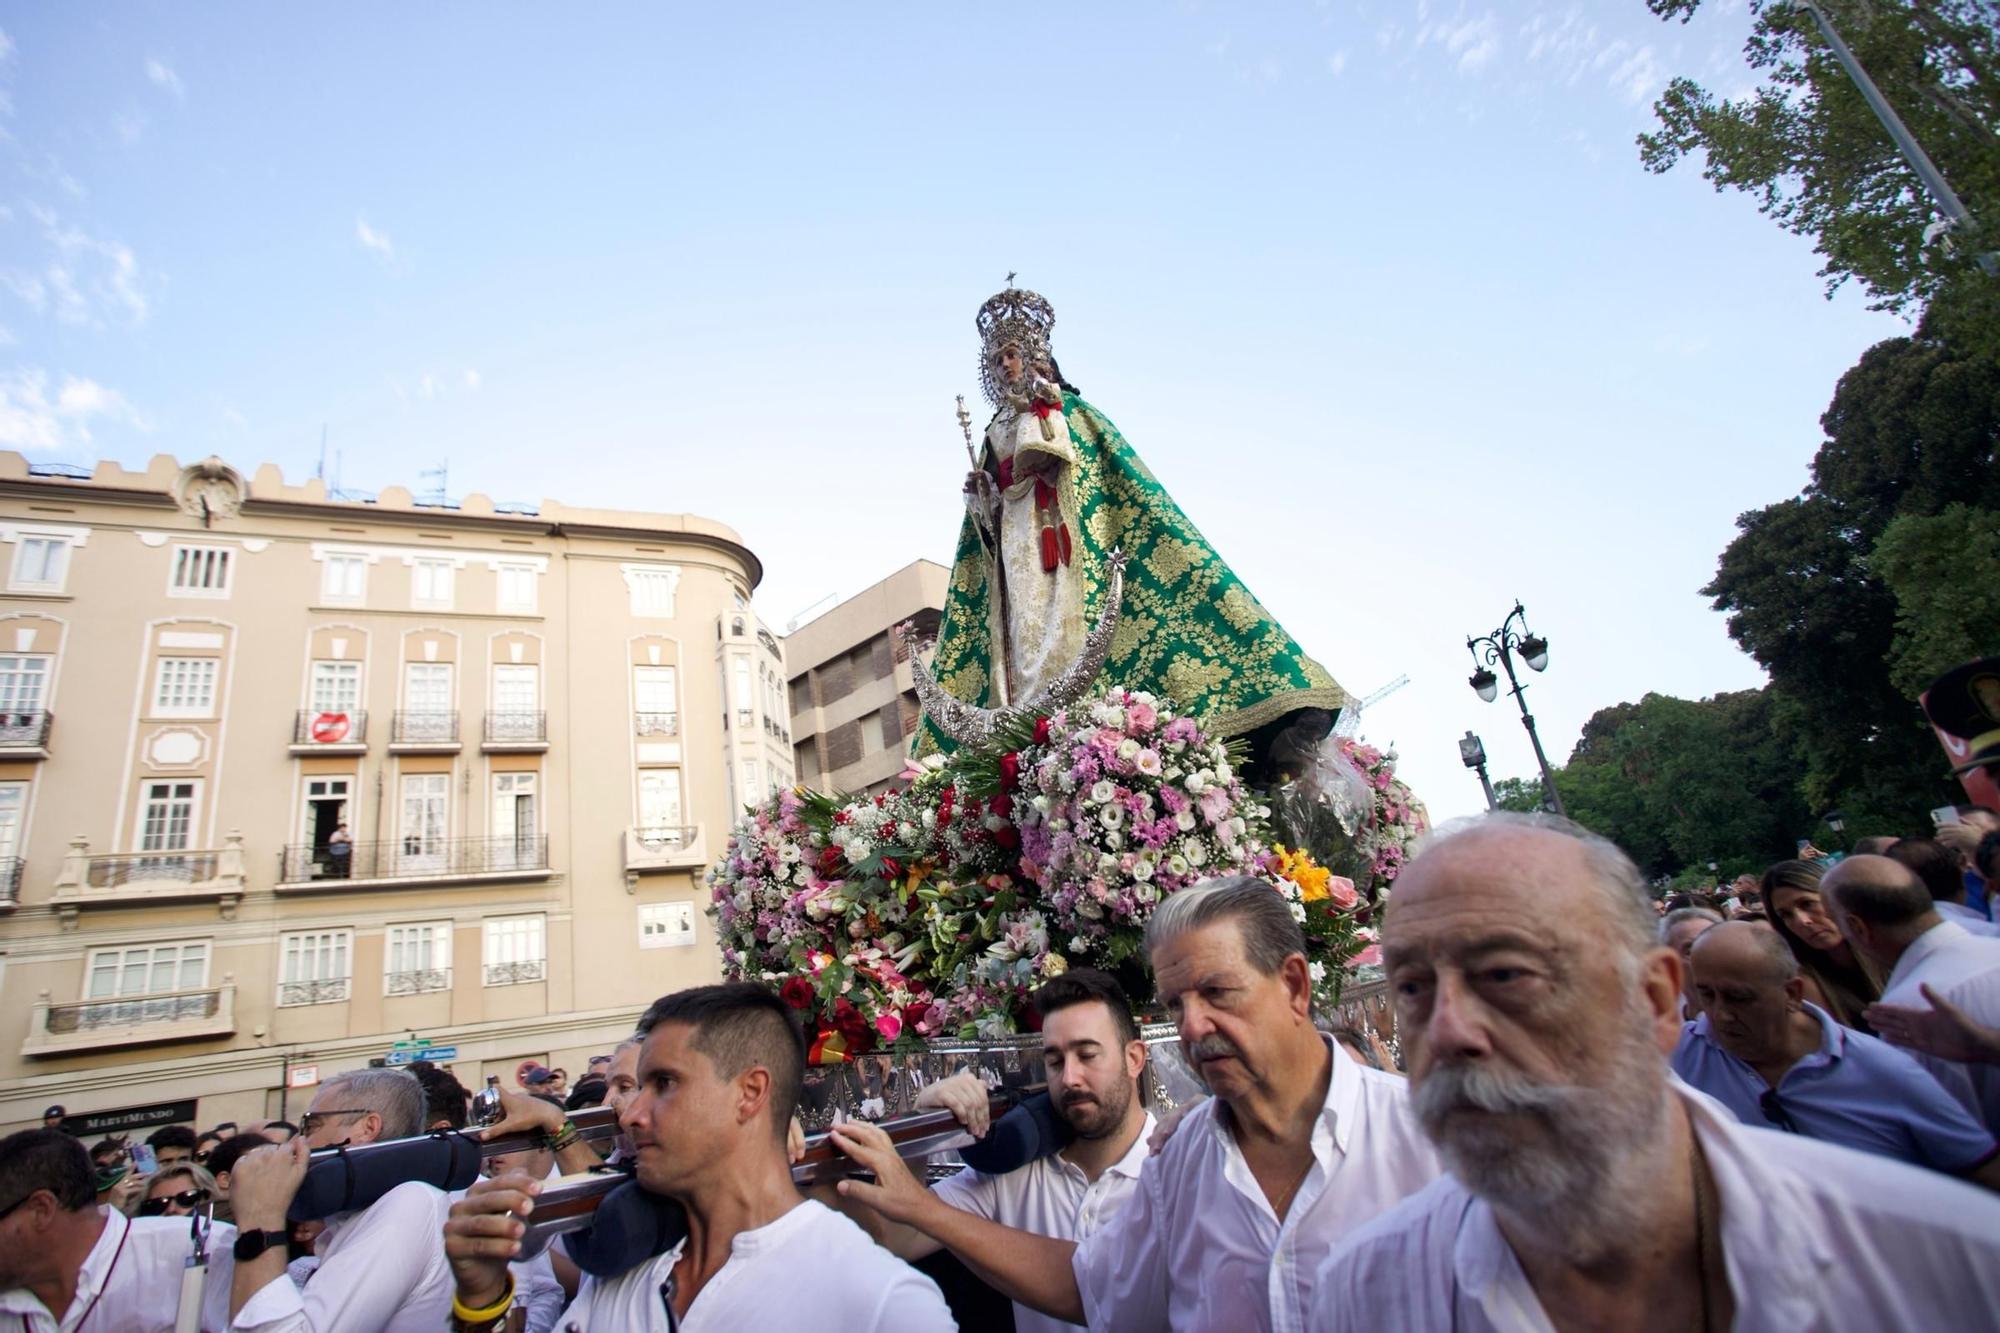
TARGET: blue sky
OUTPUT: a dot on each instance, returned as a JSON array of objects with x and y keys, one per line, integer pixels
[{"x": 1379, "y": 290}]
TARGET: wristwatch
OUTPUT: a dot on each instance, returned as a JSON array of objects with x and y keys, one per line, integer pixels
[{"x": 250, "y": 1244}]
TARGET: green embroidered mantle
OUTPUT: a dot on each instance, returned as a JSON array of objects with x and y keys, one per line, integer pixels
[{"x": 1189, "y": 630}]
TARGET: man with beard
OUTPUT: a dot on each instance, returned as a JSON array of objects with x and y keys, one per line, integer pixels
[
  {"x": 1093, "y": 1055},
  {"x": 1589, "y": 1188},
  {"x": 718, "y": 1078},
  {"x": 1230, "y": 1222}
]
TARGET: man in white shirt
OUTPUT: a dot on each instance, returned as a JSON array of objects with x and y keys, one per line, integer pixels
[
  {"x": 1887, "y": 916},
  {"x": 1535, "y": 1008},
  {"x": 1229, "y": 1223},
  {"x": 1093, "y": 1056},
  {"x": 718, "y": 1079},
  {"x": 66, "y": 1262},
  {"x": 380, "y": 1269}
]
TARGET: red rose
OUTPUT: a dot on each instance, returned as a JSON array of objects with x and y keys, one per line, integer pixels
[
  {"x": 1041, "y": 731},
  {"x": 1008, "y": 837},
  {"x": 891, "y": 867},
  {"x": 797, "y": 992},
  {"x": 1003, "y": 806},
  {"x": 1010, "y": 771},
  {"x": 829, "y": 862}
]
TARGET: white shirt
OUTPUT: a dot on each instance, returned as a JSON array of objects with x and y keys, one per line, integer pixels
[
  {"x": 1199, "y": 1247},
  {"x": 1050, "y": 1197},
  {"x": 381, "y": 1270},
  {"x": 1973, "y": 922},
  {"x": 812, "y": 1268},
  {"x": 1965, "y": 969},
  {"x": 131, "y": 1281},
  {"x": 1816, "y": 1238}
]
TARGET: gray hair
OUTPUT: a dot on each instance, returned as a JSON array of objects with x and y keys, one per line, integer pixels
[
  {"x": 390, "y": 1093},
  {"x": 1680, "y": 914},
  {"x": 1780, "y": 964},
  {"x": 1270, "y": 934},
  {"x": 1620, "y": 886}
]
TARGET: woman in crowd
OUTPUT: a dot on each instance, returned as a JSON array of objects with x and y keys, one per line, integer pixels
[
  {"x": 1835, "y": 979},
  {"x": 178, "y": 1191}
]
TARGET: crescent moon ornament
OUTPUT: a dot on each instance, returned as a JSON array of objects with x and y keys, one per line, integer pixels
[{"x": 969, "y": 724}]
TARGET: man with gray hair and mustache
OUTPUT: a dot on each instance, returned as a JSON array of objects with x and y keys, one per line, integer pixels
[
  {"x": 1231, "y": 1219},
  {"x": 1590, "y": 1189}
]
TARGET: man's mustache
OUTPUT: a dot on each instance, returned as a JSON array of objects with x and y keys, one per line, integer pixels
[
  {"x": 1213, "y": 1046},
  {"x": 1499, "y": 1092}
]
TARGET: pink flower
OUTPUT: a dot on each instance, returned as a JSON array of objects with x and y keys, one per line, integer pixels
[
  {"x": 890, "y": 1026},
  {"x": 1368, "y": 957},
  {"x": 1340, "y": 892},
  {"x": 1139, "y": 718}
]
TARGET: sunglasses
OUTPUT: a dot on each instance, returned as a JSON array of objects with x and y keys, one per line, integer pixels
[
  {"x": 185, "y": 1199},
  {"x": 1774, "y": 1111}
]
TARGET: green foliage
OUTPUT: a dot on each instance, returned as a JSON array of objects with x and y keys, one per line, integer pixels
[
  {"x": 1911, "y": 430},
  {"x": 1812, "y": 153},
  {"x": 1522, "y": 795},
  {"x": 1944, "y": 571}
]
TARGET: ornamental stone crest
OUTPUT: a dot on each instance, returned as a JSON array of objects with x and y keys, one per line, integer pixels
[{"x": 210, "y": 489}]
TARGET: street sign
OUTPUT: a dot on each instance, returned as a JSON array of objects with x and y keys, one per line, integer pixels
[
  {"x": 302, "y": 1076},
  {"x": 435, "y": 1054},
  {"x": 329, "y": 728},
  {"x": 130, "y": 1118},
  {"x": 408, "y": 1045}
]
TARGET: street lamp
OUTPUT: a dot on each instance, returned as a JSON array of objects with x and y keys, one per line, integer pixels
[
  {"x": 1500, "y": 647},
  {"x": 1836, "y": 821},
  {"x": 1474, "y": 754}
]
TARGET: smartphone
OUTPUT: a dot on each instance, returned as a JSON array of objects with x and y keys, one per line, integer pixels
[
  {"x": 1804, "y": 843},
  {"x": 1944, "y": 814},
  {"x": 144, "y": 1160}
]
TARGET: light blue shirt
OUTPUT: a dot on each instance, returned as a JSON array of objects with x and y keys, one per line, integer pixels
[
  {"x": 1966, "y": 917},
  {"x": 1855, "y": 1090}
]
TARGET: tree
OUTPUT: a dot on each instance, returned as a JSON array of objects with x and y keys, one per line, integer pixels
[
  {"x": 1911, "y": 430},
  {"x": 1944, "y": 572},
  {"x": 1809, "y": 149},
  {"x": 1521, "y": 795}
]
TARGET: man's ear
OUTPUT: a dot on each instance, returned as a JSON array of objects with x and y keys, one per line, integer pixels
[
  {"x": 1296, "y": 973},
  {"x": 1135, "y": 1058},
  {"x": 753, "y": 1093}
]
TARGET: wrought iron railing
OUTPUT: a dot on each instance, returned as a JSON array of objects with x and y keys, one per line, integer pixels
[
  {"x": 516, "y": 973},
  {"x": 334, "y": 990},
  {"x": 10, "y": 879},
  {"x": 412, "y": 858},
  {"x": 25, "y": 729},
  {"x": 656, "y": 724},
  {"x": 418, "y": 981},
  {"x": 321, "y": 726},
  {"x": 517, "y": 726},
  {"x": 115, "y": 872},
  {"x": 666, "y": 836},
  {"x": 93, "y": 1015},
  {"x": 413, "y": 728}
]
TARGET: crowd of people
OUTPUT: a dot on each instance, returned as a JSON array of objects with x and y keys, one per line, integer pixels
[{"x": 1770, "y": 1108}]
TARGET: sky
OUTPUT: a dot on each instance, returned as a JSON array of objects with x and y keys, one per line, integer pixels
[{"x": 1380, "y": 291}]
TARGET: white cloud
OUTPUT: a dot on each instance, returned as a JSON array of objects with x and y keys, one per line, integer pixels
[
  {"x": 1337, "y": 63},
  {"x": 162, "y": 76},
  {"x": 129, "y": 126},
  {"x": 428, "y": 385},
  {"x": 1633, "y": 73},
  {"x": 86, "y": 279},
  {"x": 6, "y": 47},
  {"x": 374, "y": 240},
  {"x": 471, "y": 379},
  {"x": 31, "y": 420},
  {"x": 1474, "y": 41}
]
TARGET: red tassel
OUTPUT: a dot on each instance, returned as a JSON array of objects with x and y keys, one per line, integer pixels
[
  {"x": 1062, "y": 535},
  {"x": 1049, "y": 550}
]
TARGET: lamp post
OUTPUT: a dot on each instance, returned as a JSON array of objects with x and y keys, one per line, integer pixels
[
  {"x": 1836, "y": 821},
  {"x": 1500, "y": 646},
  {"x": 1473, "y": 752}
]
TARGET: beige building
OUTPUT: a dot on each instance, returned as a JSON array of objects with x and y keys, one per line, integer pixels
[
  {"x": 286, "y": 779},
  {"x": 853, "y": 703}
]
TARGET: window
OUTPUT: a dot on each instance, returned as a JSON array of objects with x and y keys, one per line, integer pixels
[
  {"x": 148, "y": 969},
  {"x": 516, "y": 588},
  {"x": 200, "y": 571},
  {"x": 23, "y": 683},
  {"x": 652, "y": 588},
  {"x": 40, "y": 564},
  {"x": 13, "y": 800},
  {"x": 430, "y": 584},
  {"x": 514, "y": 842},
  {"x": 428, "y": 714},
  {"x": 656, "y": 701},
  {"x": 660, "y": 805},
  {"x": 166, "y": 816},
  {"x": 746, "y": 702},
  {"x": 418, "y": 959},
  {"x": 516, "y": 950},
  {"x": 665, "y": 925},
  {"x": 345, "y": 579},
  {"x": 185, "y": 687},
  {"x": 315, "y": 967},
  {"x": 425, "y": 821},
  {"x": 752, "y": 788},
  {"x": 515, "y": 689},
  {"x": 336, "y": 687}
]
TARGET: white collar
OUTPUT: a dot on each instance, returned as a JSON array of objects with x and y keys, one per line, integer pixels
[
  {"x": 1933, "y": 941},
  {"x": 90, "y": 1279},
  {"x": 1337, "y": 1112}
]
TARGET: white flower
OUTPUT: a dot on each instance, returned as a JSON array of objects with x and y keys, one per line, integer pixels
[
  {"x": 1195, "y": 782},
  {"x": 1112, "y": 816},
  {"x": 859, "y": 849},
  {"x": 1078, "y": 944},
  {"x": 1147, "y": 762},
  {"x": 1184, "y": 820},
  {"x": 1178, "y": 864},
  {"x": 1115, "y": 840},
  {"x": 1317, "y": 971},
  {"x": 1107, "y": 862},
  {"x": 1041, "y": 804},
  {"x": 1128, "y": 748},
  {"x": 930, "y": 819},
  {"x": 1142, "y": 869},
  {"x": 1298, "y": 912},
  {"x": 1197, "y": 855},
  {"x": 1103, "y": 790}
]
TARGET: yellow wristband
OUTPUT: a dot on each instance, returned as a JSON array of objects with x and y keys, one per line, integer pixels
[{"x": 463, "y": 1313}]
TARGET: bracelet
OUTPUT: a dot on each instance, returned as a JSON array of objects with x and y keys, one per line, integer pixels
[
  {"x": 464, "y": 1314},
  {"x": 562, "y": 1138}
]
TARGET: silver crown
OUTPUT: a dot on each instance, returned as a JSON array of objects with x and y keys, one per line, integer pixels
[{"x": 1018, "y": 317}]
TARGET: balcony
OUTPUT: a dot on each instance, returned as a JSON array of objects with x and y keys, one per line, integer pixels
[
  {"x": 130, "y": 1020},
  {"x": 10, "y": 882},
  {"x": 25, "y": 735},
  {"x": 656, "y": 724},
  {"x": 320, "y": 731},
  {"x": 663, "y": 847},
  {"x": 139, "y": 879},
  {"x": 337, "y": 990},
  {"x": 423, "y": 733},
  {"x": 515, "y": 732},
  {"x": 517, "y": 973},
  {"x": 400, "y": 862},
  {"x": 419, "y": 981}
]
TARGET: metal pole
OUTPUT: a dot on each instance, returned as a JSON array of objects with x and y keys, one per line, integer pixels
[
  {"x": 1551, "y": 798},
  {"x": 1913, "y": 152},
  {"x": 1492, "y": 801}
]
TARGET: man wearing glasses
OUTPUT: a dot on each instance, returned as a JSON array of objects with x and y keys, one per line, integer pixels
[
  {"x": 1779, "y": 1062},
  {"x": 67, "y": 1263},
  {"x": 380, "y": 1267}
]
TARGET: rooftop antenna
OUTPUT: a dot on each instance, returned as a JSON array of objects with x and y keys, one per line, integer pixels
[
  {"x": 320, "y": 474},
  {"x": 800, "y": 618},
  {"x": 443, "y": 474}
]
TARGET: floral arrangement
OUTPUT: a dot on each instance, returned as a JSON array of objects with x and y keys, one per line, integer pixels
[{"x": 939, "y": 907}]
